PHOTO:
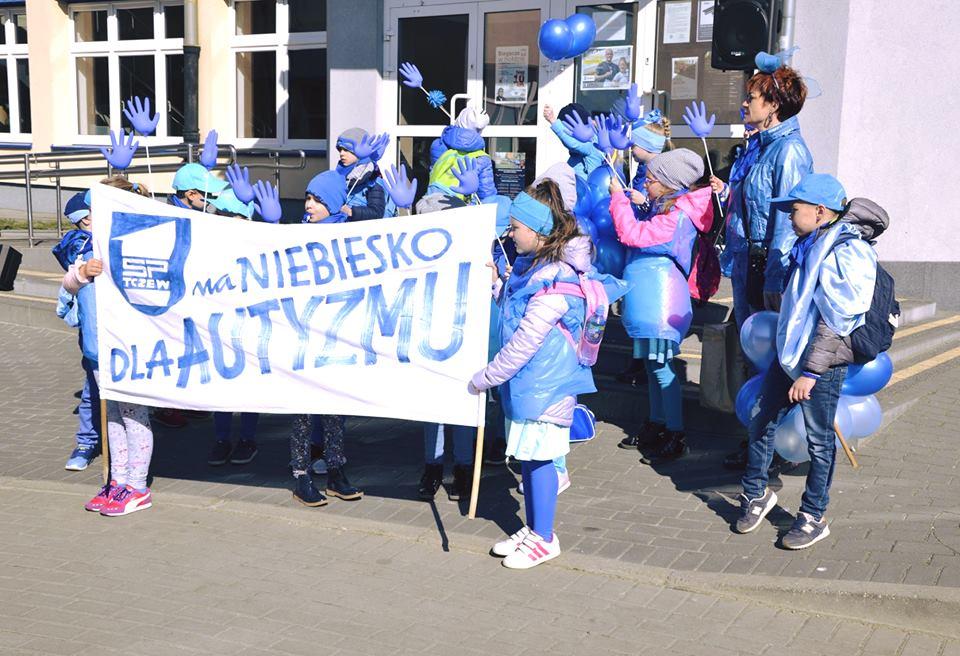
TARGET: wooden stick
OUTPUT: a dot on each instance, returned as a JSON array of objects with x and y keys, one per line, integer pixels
[
  {"x": 477, "y": 462},
  {"x": 846, "y": 447},
  {"x": 104, "y": 441}
]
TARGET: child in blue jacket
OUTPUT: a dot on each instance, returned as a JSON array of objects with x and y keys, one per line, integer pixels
[
  {"x": 584, "y": 157},
  {"x": 829, "y": 288}
]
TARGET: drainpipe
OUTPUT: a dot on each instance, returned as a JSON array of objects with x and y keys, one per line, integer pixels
[
  {"x": 788, "y": 13},
  {"x": 191, "y": 73}
]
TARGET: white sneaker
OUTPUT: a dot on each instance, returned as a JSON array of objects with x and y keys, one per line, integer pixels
[
  {"x": 508, "y": 546},
  {"x": 563, "y": 481},
  {"x": 533, "y": 551}
]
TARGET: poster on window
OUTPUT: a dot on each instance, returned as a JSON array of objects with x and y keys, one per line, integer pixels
[
  {"x": 511, "y": 75},
  {"x": 606, "y": 68},
  {"x": 683, "y": 78},
  {"x": 676, "y": 22},
  {"x": 705, "y": 21},
  {"x": 509, "y": 172}
]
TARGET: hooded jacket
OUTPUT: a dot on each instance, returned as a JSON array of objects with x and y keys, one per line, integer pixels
[
  {"x": 457, "y": 142},
  {"x": 584, "y": 157},
  {"x": 537, "y": 367},
  {"x": 368, "y": 200},
  {"x": 782, "y": 161}
]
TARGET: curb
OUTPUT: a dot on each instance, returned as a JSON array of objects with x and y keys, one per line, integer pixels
[{"x": 928, "y": 609}]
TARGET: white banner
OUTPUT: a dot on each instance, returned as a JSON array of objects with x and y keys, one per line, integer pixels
[{"x": 381, "y": 318}]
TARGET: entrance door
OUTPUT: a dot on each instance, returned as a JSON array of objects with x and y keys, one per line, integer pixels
[{"x": 483, "y": 51}]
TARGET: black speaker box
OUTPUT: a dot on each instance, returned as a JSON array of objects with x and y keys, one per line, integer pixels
[
  {"x": 741, "y": 29},
  {"x": 9, "y": 265}
]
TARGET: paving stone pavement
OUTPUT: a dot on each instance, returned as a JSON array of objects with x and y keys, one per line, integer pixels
[{"x": 895, "y": 520}]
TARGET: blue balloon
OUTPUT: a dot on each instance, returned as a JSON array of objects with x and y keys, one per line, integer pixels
[
  {"x": 587, "y": 228},
  {"x": 758, "y": 339},
  {"x": 747, "y": 399},
  {"x": 869, "y": 378},
  {"x": 584, "y": 198},
  {"x": 555, "y": 38},
  {"x": 610, "y": 257},
  {"x": 599, "y": 183},
  {"x": 584, "y": 30},
  {"x": 790, "y": 438},
  {"x": 602, "y": 220},
  {"x": 866, "y": 415}
]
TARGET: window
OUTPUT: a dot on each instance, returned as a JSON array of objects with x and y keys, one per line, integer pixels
[
  {"x": 14, "y": 77},
  {"x": 281, "y": 79},
  {"x": 127, "y": 49}
]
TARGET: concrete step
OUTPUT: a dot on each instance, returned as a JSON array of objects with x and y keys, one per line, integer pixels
[{"x": 30, "y": 311}]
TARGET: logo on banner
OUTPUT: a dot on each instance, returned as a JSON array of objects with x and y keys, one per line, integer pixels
[{"x": 147, "y": 256}]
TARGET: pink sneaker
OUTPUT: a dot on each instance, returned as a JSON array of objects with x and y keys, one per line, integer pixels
[
  {"x": 103, "y": 497},
  {"x": 126, "y": 501}
]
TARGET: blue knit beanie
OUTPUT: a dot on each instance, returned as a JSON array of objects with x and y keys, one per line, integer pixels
[{"x": 329, "y": 188}]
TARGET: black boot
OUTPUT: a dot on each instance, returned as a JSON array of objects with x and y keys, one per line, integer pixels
[
  {"x": 430, "y": 481},
  {"x": 339, "y": 486},
  {"x": 650, "y": 433},
  {"x": 462, "y": 479},
  {"x": 675, "y": 446},
  {"x": 307, "y": 493}
]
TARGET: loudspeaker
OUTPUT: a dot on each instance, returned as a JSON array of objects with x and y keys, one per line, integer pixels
[
  {"x": 741, "y": 29},
  {"x": 9, "y": 265}
]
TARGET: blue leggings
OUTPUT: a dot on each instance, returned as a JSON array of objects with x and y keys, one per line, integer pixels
[
  {"x": 540, "y": 495},
  {"x": 666, "y": 395}
]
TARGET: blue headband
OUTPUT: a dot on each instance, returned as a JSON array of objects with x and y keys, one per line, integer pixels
[
  {"x": 532, "y": 213},
  {"x": 649, "y": 140}
]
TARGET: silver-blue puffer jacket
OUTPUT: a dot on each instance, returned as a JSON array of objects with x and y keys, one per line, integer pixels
[{"x": 783, "y": 160}]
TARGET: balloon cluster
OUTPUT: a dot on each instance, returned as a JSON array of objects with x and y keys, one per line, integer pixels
[
  {"x": 592, "y": 211},
  {"x": 565, "y": 39},
  {"x": 858, "y": 411}
]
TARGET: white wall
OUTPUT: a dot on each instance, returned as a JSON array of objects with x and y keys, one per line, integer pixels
[{"x": 886, "y": 125}]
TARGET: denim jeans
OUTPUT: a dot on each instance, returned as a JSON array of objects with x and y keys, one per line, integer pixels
[
  {"x": 819, "y": 412},
  {"x": 463, "y": 444},
  {"x": 88, "y": 428},
  {"x": 248, "y": 425}
]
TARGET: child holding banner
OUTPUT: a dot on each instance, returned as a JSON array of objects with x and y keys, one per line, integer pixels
[
  {"x": 128, "y": 424},
  {"x": 538, "y": 370}
]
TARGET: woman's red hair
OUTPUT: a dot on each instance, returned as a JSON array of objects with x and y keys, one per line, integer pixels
[{"x": 784, "y": 87}]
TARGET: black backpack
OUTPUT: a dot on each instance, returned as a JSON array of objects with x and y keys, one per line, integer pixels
[{"x": 876, "y": 334}]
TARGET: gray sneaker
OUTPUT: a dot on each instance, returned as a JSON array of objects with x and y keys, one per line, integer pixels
[
  {"x": 805, "y": 532},
  {"x": 752, "y": 511}
]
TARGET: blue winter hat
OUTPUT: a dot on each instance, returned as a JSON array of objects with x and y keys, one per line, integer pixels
[
  {"x": 228, "y": 202},
  {"x": 816, "y": 189},
  {"x": 350, "y": 138},
  {"x": 196, "y": 176},
  {"x": 503, "y": 211},
  {"x": 329, "y": 188},
  {"x": 78, "y": 207},
  {"x": 532, "y": 213}
]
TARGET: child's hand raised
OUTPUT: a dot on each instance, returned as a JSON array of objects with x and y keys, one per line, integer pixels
[
  {"x": 549, "y": 114},
  {"x": 91, "y": 268}
]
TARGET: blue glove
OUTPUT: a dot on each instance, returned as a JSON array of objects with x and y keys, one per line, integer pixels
[
  {"x": 411, "y": 74},
  {"x": 468, "y": 175},
  {"x": 121, "y": 152},
  {"x": 696, "y": 118},
  {"x": 138, "y": 113},
  {"x": 239, "y": 180},
  {"x": 436, "y": 98},
  {"x": 631, "y": 106},
  {"x": 368, "y": 146},
  {"x": 381, "y": 143},
  {"x": 401, "y": 190},
  {"x": 208, "y": 156},
  {"x": 579, "y": 130},
  {"x": 603, "y": 135},
  {"x": 619, "y": 138},
  {"x": 268, "y": 201}
]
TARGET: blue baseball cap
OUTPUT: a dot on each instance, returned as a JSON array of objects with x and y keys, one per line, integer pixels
[
  {"x": 228, "y": 202},
  {"x": 816, "y": 189},
  {"x": 78, "y": 207},
  {"x": 196, "y": 176}
]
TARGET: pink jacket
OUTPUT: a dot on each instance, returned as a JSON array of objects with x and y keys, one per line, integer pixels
[{"x": 542, "y": 314}]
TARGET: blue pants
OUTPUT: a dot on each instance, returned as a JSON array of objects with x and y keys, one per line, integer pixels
[
  {"x": 463, "y": 444},
  {"x": 88, "y": 428},
  {"x": 248, "y": 425},
  {"x": 818, "y": 416},
  {"x": 540, "y": 485},
  {"x": 666, "y": 395}
]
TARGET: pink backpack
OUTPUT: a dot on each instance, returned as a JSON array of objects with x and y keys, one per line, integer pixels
[{"x": 595, "y": 317}]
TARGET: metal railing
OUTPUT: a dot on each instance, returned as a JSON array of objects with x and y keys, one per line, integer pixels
[{"x": 78, "y": 162}]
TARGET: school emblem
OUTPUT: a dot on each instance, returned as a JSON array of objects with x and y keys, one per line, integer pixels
[{"x": 147, "y": 256}]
